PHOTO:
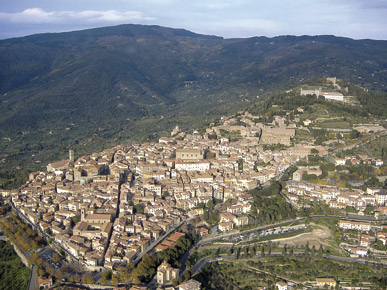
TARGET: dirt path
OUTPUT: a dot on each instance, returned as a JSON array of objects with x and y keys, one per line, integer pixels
[{"x": 315, "y": 238}]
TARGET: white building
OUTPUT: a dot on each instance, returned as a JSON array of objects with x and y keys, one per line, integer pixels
[
  {"x": 193, "y": 165},
  {"x": 281, "y": 285},
  {"x": 334, "y": 96}
]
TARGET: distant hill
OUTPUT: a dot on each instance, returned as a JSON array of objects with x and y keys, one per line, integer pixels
[{"x": 92, "y": 88}]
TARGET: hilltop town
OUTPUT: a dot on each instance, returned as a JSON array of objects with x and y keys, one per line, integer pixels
[
  {"x": 128, "y": 196},
  {"x": 110, "y": 208}
]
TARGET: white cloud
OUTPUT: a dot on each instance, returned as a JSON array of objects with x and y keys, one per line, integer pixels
[
  {"x": 218, "y": 4},
  {"x": 38, "y": 15},
  {"x": 161, "y": 2}
]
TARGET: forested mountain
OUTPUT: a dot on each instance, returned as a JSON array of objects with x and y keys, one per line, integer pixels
[{"x": 93, "y": 88}]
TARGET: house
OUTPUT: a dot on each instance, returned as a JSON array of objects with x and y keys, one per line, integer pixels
[
  {"x": 226, "y": 226},
  {"x": 359, "y": 251},
  {"x": 175, "y": 237},
  {"x": 277, "y": 135},
  {"x": 44, "y": 282},
  {"x": 333, "y": 96},
  {"x": 202, "y": 231},
  {"x": 339, "y": 161},
  {"x": 58, "y": 166},
  {"x": 162, "y": 247},
  {"x": 235, "y": 209},
  {"x": 202, "y": 165},
  {"x": 226, "y": 217},
  {"x": 96, "y": 219},
  {"x": 321, "y": 282},
  {"x": 349, "y": 225},
  {"x": 190, "y": 285},
  {"x": 165, "y": 273},
  {"x": 316, "y": 92},
  {"x": 381, "y": 197},
  {"x": 241, "y": 221},
  {"x": 281, "y": 285},
  {"x": 380, "y": 236},
  {"x": 364, "y": 240},
  {"x": 382, "y": 209},
  {"x": 189, "y": 154}
]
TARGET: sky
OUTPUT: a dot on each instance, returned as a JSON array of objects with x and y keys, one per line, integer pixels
[{"x": 358, "y": 19}]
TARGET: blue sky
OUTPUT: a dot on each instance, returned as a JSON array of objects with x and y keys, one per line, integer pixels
[{"x": 357, "y": 19}]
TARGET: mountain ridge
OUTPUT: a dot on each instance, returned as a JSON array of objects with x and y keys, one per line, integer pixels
[{"x": 100, "y": 86}]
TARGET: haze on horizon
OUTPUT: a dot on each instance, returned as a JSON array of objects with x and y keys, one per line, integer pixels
[{"x": 356, "y": 19}]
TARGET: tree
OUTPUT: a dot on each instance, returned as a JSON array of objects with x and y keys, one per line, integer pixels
[
  {"x": 58, "y": 275},
  {"x": 307, "y": 249},
  {"x": 137, "y": 281},
  {"x": 210, "y": 204},
  {"x": 384, "y": 153},
  {"x": 320, "y": 251},
  {"x": 139, "y": 208},
  {"x": 56, "y": 258},
  {"x": 275, "y": 187},
  {"x": 187, "y": 275},
  {"x": 41, "y": 271},
  {"x": 369, "y": 209},
  {"x": 75, "y": 219},
  {"x": 115, "y": 279},
  {"x": 165, "y": 194},
  {"x": 87, "y": 279},
  {"x": 35, "y": 257},
  {"x": 314, "y": 151},
  {"x": 355, "y": 134},
  {"x": 291, "y": 253},
  {"x": 106, "y": 274}
]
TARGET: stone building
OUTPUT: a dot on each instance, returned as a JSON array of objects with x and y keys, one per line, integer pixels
[{"x": 165, "y": 273}]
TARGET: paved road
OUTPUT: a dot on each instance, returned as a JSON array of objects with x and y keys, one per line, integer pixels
[
  {"x": 201, "y": 263},
  {"x": 33, "y": 283},
  {"x": 156, "y": 242}
]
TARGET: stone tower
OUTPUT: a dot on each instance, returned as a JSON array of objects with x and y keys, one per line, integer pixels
[{"x": 83, "y": 214}]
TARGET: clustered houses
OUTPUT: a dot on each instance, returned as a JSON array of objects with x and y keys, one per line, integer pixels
[
  {"x": 107, "y": 208},
  {"x": 364, "y": 229},
  {"x": 353, "y": 160},
  {"x": 335, "y": 197}
]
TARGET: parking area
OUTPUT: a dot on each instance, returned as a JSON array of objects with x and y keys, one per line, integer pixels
[{"x": 265, "y": 233}]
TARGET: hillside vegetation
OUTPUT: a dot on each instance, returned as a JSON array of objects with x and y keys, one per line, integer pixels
[
  {"x": 91, "y": 89},
  {"x": 13, "y": 274}
]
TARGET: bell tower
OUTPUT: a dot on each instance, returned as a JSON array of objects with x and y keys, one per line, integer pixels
[{"x": 83, "y": 214}]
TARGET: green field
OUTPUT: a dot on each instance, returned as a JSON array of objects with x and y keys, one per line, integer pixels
[
  {"x": 334, "y": 125},
  {"x": 303, "y": 135}
]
